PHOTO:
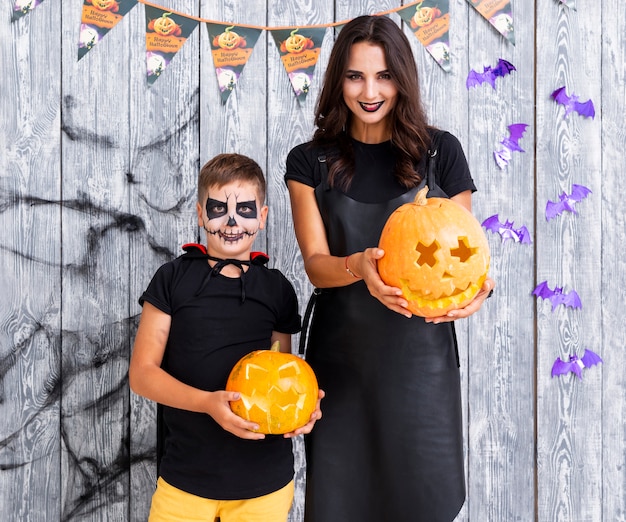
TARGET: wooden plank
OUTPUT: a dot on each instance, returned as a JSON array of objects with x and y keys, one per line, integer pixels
[
  {"x": 613, "y": 279},
  {"x": 96, "y": 230},
  {"x": 164, "y": 136},
  {"x": 501, "y": 359},
  {"x": 290, "y": 122},
  {"x": 446, "y": 102},
  {"x": 30, "y": 320},
  {"x": 569, "y": 411}
]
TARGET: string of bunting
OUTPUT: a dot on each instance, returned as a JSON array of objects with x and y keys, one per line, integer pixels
[{"x": 232, "y": 44}]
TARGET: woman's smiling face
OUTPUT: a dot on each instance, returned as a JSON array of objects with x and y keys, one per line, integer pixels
[{"x": 370, "y": 92}]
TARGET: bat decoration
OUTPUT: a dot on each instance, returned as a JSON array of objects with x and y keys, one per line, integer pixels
[
  {"x": 489, "y": 74},
  {"x": 516, "y": 132},
  {"x": 506, "y": 230},
  {"x": 575, "y": 364},
  {"x": 557, "y": 296},
  {"x": 566, "y": 202},
  {"x": 571, "y": 103}
]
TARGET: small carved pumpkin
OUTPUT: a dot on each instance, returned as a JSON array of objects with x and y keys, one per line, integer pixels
[
  {"x": 165, "y": 26},
  {"x": 296, "y": 43},
  {"x": 436, "y": 252},
  {"x": 229, "y": 39},
  {"x": 106, "y": 5},
  {"x": 278, "y": 390},
  {"x": 424, "y": 16}
]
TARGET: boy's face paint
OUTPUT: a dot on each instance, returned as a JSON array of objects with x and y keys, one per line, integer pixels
[
  {"x": 232, "y": 217},
  {"x": 216, "y": 209}
]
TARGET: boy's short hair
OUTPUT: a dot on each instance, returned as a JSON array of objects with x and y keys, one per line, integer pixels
[{"x": 226, "y": 168}]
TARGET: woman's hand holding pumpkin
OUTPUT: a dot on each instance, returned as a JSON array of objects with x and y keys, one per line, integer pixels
[
  {"x": 365, "y": 264},
  {"x": 473, "y": 307}
]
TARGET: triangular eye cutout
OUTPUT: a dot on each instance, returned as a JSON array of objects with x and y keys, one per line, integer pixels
[
  {"x": 427, "y": 253},
  {"x": 463, "y": 251}
]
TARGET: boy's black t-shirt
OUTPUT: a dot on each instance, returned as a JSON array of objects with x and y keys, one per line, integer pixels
[{"x": 210, "y": 331}]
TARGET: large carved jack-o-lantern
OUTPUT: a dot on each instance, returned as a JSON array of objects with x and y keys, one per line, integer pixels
[
  {"x": 436, "y": 252},
  {"x": 278, "y": 390}
]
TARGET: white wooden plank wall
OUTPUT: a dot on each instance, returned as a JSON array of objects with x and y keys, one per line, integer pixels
[{"x": 97, "y": 189}]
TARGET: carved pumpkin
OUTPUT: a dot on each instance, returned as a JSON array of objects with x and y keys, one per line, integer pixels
[
  {"x": 106, "y": 5},
  {"x": 296, "y": 43},
  {"x": 436, "y": 252},
  {"x": 165, "y": 26},
  {"x": 424, "y": 16},
  {"x": 278, "y": 390},
  {"x": 229, "y": 39}
]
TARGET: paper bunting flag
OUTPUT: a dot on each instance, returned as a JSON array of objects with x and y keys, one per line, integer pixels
[
  {"x": 23, "y": 7},
  {"x": 499, "y": 14},
  {"x": 430, "y": 22},
  {"x": 231, "y": 47},
  {"x": 299, "y": 51},
  {"x": 98, "y": 18},
  {"x": 569, "y": 3},
  {"x": 166, "y": 33}
]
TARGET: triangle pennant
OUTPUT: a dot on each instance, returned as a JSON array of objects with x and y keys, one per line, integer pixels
[
  {"x": 430, "y": 22},
  {"x": 98, "y": 18},
  {"x": 166, "y": 33},
  {"x": 299, "y": 50},
  {"x": 23, "y": 7},
  {"x": 499, "y": 14},
  {"x": 231, "y": 47}
]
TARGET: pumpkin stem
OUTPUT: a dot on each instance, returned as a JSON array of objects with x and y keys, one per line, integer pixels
[
  {"x": 275, "y": 346},
  {"x": 420, "y": 198},
  {"x": 294, "y": 31},
  {"x": 229, "y": 29}
]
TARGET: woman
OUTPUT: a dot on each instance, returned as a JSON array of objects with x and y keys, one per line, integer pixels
[{"x": 390, "y": 444}]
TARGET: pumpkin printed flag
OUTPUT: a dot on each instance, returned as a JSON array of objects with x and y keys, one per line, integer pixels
[
  {"x": 299, "y": 51},
  {"x": 430, "y": 22},
  {"x": 166, "y": 33},
  {"x": 23, "y": 7},
  {"x": 499, "y": 14},
  {"x": 98, "y": 18},
  {"x": 231, "y": 46}
]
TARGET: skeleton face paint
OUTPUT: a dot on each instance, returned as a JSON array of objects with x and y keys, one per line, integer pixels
[
  {"x": 232, "y": 219},
  {"x": 216, "y": 209}
]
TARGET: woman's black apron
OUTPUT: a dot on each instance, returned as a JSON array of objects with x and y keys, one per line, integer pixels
[{"x": 389, "y": 446}]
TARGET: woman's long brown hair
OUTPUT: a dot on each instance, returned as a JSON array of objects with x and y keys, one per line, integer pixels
[{"x": 409, "y": 134}]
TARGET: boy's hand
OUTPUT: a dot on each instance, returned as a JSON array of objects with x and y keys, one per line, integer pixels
[
  {"x": 315, "y": 416},
  {"x": 218, "y": 407}
]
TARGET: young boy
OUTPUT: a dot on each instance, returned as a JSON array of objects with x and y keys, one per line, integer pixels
[{"x": 201, "y": 313}]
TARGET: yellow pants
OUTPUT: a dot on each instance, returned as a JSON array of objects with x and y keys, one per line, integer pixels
[{"x": 170, "y": 504}]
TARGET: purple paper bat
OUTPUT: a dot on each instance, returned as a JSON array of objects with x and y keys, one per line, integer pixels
[
  {"x": 516, "y": 132},
  {"x": 575, "y": 364},
  {"x": 566, "y": 202},
  {"x": 571, "y": 103},
  {"x": 557, "y": 296},
  {"x": 506, "y": 230},
  {"x": 489, "y": 74}
]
